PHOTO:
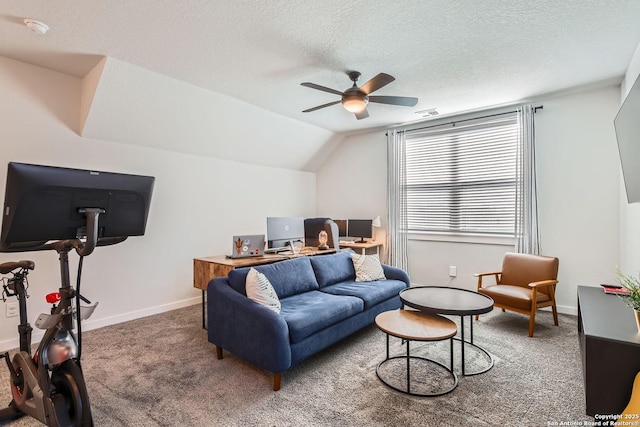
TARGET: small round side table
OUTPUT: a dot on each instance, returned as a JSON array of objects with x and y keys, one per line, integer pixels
[{"x": 412, "y": 325}]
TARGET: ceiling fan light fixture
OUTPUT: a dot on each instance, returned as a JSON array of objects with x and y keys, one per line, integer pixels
[
  {"x": 355, "y": 99},
  {"x": 355, "y": 104},
  {"x": 37, "y": 27}
]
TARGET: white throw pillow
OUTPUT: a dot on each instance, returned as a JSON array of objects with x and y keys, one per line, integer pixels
[
  {"x": 259, "y": 289},
  {"x": 367, "y": 268}
]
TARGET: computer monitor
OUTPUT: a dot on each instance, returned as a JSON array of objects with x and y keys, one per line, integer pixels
[
  {"x": 362, "y": 228},
  {"x": 342, "y": 227},
  {"x": 283, "y": 230},
  {"x": 46, "y": 203}
]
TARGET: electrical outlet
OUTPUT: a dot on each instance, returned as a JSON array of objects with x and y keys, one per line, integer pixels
[
  {"x": 12, "y": 309},
  {"x": 453, "y": 271}
]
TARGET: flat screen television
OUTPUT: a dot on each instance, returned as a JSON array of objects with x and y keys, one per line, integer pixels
[
  {"x": 360, "y": 228},
  {"x": 281, "y": 231},
  {"x": 627, "y": 125},
  {"x": 48, "y": 203}
]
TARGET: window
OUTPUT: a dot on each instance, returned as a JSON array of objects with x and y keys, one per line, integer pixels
[{"x": 462, "y": 177}]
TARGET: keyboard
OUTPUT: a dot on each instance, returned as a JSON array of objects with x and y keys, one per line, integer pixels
[{"x": 276, "y": 250}]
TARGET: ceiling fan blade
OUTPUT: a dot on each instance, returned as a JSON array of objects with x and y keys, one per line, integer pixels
[
  {"x": 394, "y": 100},
  {"x": 362, "y": 114},
  {"x": 376, "y": 83},
  {"x": 322, "y": 106},
  {"x": 322, "y": 88}
]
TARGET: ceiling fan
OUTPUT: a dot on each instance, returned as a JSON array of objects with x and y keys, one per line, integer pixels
[{"x": 355, "y": 99}]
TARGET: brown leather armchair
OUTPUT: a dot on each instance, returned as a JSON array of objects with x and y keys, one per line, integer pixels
[{"x": 525, "y": 284}]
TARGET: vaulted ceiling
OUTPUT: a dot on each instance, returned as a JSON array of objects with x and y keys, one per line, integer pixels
[{"x": 454, "y": 55}]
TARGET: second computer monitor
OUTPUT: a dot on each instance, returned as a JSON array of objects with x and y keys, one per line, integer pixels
[
  {"x": 360, "y": 228},
  {"x": 342, "y": 227}
]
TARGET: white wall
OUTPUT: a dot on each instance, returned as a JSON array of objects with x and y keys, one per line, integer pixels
[
  {"x": 578, "y": 188},
  {"x": 198, "y": 203},
  {"x": 578, "y": 197},
  {"x": 630, "y": 213}
]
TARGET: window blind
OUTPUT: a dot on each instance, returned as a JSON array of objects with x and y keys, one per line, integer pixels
[{"x": 462, "y": 178}]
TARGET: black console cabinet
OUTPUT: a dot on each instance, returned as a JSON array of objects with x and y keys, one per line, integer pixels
[{"x": 610, "y": 350}]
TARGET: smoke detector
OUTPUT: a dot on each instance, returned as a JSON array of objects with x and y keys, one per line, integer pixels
[
  {"x": 36, "y": 26},
  {"x": 429, "y": 112}
]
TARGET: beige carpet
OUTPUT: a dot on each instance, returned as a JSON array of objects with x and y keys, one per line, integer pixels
[{"x": 161, "y": 371}]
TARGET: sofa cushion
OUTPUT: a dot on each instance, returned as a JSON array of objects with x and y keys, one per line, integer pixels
[
  {"x": 259, "y": 289},
  {"x": 367, "y": 267},
  {"x": 310, "y": 312},
  {"x": 330, "y": 269},
  {"x": 288, "y": 277},
  {"x": 371, "y": 293}
]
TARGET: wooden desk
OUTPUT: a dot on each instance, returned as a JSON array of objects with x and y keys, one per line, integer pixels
[
  {"x": 610, "y": 350},
  {"x": 366, "y": 248},
  {"x": 207, "y": 268}
]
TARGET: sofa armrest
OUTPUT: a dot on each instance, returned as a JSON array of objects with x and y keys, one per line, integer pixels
[
  {"x": 396, "y": 273},
  {"x": 251, "y": 331}
]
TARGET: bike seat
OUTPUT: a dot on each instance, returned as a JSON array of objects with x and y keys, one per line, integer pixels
[{"x": 8, "y": 267}]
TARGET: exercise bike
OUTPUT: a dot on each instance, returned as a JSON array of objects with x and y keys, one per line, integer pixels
[
  {"x": 55, "y": 208},
  {"x": 49, "y": 385}
]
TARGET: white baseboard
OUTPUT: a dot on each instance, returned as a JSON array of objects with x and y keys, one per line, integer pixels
[
  {"x": 566, "y": 309},
  {"x": 88, "y": 325}
]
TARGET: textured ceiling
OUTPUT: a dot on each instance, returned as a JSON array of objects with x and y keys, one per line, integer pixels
[{"x": 453, "y": 55}]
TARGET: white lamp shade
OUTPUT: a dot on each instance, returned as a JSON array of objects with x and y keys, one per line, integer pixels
[
  {"x": 354, "y": 104},
  {"x": 377, "y": 222}
]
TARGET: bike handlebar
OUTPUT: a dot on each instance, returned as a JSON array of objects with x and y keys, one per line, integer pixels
[
  {"x": 8, "y": 267},
  {"x": 83, "y": 248}
]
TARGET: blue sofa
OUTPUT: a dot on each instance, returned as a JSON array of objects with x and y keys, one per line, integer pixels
[{"x": 321, "y": 304}]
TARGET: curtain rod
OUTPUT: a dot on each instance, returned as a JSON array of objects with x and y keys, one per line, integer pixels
[{"x": 535, "y": 110}]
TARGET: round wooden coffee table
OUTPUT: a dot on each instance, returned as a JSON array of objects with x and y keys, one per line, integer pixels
[{"x": 412, "y": 325}]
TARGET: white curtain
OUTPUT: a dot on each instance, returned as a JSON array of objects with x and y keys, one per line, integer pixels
[
  {"x": 527, "y": 235},
  {"x": 397, "y": 241}
]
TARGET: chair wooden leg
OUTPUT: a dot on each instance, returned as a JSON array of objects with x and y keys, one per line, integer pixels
[
  {"x": 219, "y": 352},
  {"x": 552, "y": 294},
  {"x": 277, "y": 378},
  {"x": 555, "y": 314},
  {"x": 532, "y": 320}
]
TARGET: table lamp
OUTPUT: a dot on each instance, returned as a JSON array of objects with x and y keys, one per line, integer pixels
[{"x": 377, "y": 223}]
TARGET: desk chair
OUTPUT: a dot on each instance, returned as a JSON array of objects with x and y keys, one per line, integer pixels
[{"x": 313, "y": 226}]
